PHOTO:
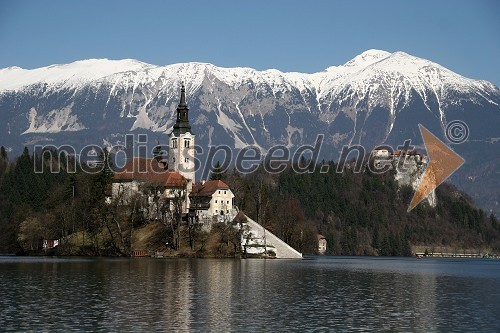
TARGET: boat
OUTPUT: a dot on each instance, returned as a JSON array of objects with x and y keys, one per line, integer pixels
[{"x": 158, "y": 255}]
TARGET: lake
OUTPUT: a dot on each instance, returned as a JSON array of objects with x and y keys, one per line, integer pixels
[{"x": 318, "y": 294}]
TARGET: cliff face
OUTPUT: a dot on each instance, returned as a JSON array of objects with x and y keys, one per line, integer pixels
[
  {"x": 408, "y": 168},
  {"x": 411, "y": 174}
]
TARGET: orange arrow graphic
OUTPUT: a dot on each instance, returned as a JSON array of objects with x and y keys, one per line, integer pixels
[{"x": 442, "y": 163}]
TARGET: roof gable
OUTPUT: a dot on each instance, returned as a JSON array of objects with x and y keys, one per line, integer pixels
[{"x": 209, "y": 188}]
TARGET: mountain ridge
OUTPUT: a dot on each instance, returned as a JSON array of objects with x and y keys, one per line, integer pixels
[
  {"x": 105, "y": 68},
  {"x": 375, "y": 98}
]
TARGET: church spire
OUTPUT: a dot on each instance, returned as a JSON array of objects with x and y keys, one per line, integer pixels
[
  {"x": 183, "y": 95},
  {"x": 182, "y": 125}
]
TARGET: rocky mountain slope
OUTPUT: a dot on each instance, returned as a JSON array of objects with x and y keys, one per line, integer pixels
[{"x": 377, "y": 97}]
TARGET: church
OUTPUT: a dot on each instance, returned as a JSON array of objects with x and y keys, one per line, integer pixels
[{"x": 171, "y": 185}]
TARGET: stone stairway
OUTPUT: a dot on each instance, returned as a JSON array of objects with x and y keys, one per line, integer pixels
[{"x": 256, "y": 239}]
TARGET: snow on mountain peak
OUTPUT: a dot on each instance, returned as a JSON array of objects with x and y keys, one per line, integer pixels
[
  {"x": 363, "y": 71},
  {"x": 12, "y": 68},
  {"x": 81, "y": 71},
  {"x": 418, "y": 71},
  {"x": 368, "y": 57}
]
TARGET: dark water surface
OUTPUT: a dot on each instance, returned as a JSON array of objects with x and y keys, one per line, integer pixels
[{"x": 314, "y": 294}]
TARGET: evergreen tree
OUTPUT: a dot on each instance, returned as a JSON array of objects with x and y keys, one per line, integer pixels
[
  {"x": 3, "y": 153},
  {"x": 494, "y": 221},
  {"x": 102, "y": 180},
  {"x": 216, "y": 173},
  {"x": 4, "y": 162}
]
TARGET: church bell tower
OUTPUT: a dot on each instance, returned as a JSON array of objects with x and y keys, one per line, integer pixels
[{"x": 181, "y": 142}]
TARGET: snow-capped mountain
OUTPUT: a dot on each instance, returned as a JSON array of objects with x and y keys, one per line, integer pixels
[{"x": 377, "y": 97}]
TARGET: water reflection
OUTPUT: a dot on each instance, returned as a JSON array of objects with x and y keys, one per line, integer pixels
[{"x": 346, "y": 294}]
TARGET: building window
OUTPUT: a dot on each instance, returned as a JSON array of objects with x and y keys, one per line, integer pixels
[
  {"x": 185, "y": 160},
  {"x": 186, "y": 143},
  {"x": 228, "y": 202},
  {"x": 215, "y": 201},
  {"x": 216, "y": 211},
  {"x": 219, "y": 192},
  {"x": 174, "y": 143},
  {"x": 224, "y": 192}
]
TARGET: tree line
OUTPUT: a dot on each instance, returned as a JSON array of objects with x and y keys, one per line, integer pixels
[
  {"x": 52, "y": 205},
  {"x": 358, "y": 213}
]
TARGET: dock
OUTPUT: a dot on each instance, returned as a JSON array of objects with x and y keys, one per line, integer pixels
[{"x": 448, "y": 255}]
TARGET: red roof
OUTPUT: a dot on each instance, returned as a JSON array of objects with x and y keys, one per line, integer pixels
[
  {"x": 149, "y": 170},
  {"x": 208, "y": 188}
]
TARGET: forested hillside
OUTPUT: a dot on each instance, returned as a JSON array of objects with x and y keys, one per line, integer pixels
[
  {"x": 358, "y": 213},
  {"x": 47, "y": 205}
]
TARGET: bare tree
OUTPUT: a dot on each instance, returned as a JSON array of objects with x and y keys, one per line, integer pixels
[
  {"x": 30, "y": 233},
  {"x": 172, "y": 209}
]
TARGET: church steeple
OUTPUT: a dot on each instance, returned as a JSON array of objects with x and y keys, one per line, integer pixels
[
  {"x": 182, "y": 125},
  {"x": 182, "y": 142}
]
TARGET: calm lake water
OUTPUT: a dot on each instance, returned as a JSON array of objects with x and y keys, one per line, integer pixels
[{"x": 314, "y": 294}]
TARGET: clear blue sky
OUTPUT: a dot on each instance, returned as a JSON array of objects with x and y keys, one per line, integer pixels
[{"x": 304, "y": 36}]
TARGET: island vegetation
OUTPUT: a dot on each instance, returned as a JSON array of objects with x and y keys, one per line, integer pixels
[{"x": 358, "y": 213}]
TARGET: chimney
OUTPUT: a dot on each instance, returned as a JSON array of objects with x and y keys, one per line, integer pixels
[{"x": 203, "y": 182}]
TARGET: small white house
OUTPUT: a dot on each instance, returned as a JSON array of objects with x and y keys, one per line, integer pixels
[
  {"x": 321, "y": 244},
  {"x": 50, "y": 243},
  {"x": 211, "y": 198},
  {"x": 381, "y": 152}
]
